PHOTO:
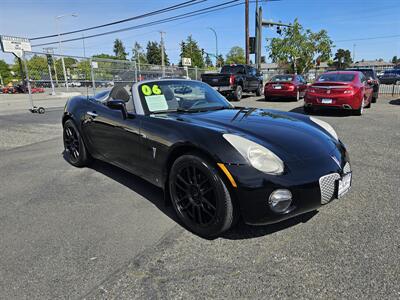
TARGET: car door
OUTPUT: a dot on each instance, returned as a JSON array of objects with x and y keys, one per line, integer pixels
[
  {"x": 367, "y": 88},
  {"x": 113, "y": 138}
]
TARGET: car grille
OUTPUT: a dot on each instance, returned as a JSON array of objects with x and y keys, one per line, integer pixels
[
  {"x": 347, "y": 168},
  {"x": 327, "y": 184}
]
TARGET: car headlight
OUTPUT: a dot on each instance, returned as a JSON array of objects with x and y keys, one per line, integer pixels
[
  {"x": 258, "y": 156},
  {"x": 325, "y": 126}
]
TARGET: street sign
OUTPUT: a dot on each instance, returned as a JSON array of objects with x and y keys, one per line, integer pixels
[
  {"x": 186, "y": 61},
  {"x": 95, "y": 65},
  {"x": 15, "y": 45}
]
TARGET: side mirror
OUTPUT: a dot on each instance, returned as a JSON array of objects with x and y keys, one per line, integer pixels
[
  {"x": 370, "y": 81},
  {"x": 118, "y": 105}
]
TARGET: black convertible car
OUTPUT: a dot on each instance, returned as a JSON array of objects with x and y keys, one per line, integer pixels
[{"x": 215, "y": 162}]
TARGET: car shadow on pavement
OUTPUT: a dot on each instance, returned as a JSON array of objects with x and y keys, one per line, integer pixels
[
  {"x": 244, "y": 231},
  {"x": 156, "y": 196},
  {"x": 138, "y": 185},
  {"x": 395, "y": 102},
  {"x": 324, "y": 112}
]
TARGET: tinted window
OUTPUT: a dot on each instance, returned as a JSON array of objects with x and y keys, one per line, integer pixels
[
  {"x": 336, "y": 77},
  {"x": 233, "y": 69},
  {"x": 284, "y": 78},
  {"x": 367, "y": 72}
]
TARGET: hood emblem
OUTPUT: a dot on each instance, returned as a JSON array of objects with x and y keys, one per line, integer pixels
[
  {"x": 328, "y": 91},
  {"x": 336, "y": 161}
]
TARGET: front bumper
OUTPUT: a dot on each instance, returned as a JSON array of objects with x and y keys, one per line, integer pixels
[{"x": 312, "y": 182}]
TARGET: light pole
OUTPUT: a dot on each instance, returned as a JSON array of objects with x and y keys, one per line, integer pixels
[
  {"x": 59, "y": 44},
  {"x": 216, "y": 45},
  {"x": 162, "y": 53}
]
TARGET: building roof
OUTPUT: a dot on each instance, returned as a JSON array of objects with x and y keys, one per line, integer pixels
[{"x": 372, "y": 63}]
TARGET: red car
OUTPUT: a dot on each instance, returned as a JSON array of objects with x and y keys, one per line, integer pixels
[
  {"x": 348, "y": 90},
  {"x": 287, "y": 86}
]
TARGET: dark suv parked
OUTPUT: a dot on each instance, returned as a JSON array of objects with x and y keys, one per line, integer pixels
[
  {"x": 372, "y": 78},
  {"x": 391, "y": 76}
]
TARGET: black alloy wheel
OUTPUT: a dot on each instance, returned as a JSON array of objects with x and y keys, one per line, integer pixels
[
  {"x": 200, "y": 197},
  {"x": 75, "y": 150}
]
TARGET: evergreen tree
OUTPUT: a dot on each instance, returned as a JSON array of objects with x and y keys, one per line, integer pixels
[
  {"x": 208, "y": 61},
  {"x": 119, "y": 50},
  {"x": 153, "y": 54},
  {"x": 190, "y": 49},
  {"x": 220, "y": 60},
  {"x": 342, "y": 59}
]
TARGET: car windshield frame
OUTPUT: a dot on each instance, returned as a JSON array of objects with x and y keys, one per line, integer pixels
[
  {"x": 336, "y": 77},
  {"x": 175, "y": 95}
]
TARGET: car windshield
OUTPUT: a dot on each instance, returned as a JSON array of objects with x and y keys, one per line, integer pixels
[
  {"x": 233, "y": 69},
  {"x": 180, "y": 95},
  {"x": 336, "y": 77},
  {"x": 280, "y": 78}
]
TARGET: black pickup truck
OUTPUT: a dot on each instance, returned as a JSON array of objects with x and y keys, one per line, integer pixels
[{"x": 233, "y": 80}]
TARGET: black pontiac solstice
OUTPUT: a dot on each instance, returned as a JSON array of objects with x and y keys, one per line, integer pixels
[{"x": 215, "y": 162}]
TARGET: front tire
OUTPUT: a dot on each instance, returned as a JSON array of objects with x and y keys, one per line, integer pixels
[
  {"x": 74, "y": 147},
  {"x": 200, "y": 196}
]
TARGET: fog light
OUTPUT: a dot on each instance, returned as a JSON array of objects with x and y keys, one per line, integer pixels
[{"x": 280, "y": 200}]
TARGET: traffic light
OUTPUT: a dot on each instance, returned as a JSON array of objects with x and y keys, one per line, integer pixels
[
  {"x": 183, "y": 46},
  {"x": 278, "y": 30},
  {"x": 252, "y": 45},
  {"x": 202, "y": 51},
  {"x": 49, "y": 59}
]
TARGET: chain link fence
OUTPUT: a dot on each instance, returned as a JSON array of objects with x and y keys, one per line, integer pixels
[
  {"x": 52, "y": 75},
  {"x": 69, "y": 75}
]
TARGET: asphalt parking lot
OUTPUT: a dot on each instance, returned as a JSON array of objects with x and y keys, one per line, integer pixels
[{"x": 100, "y": 232}]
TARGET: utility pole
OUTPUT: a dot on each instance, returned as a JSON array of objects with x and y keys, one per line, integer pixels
[
  {"x": 354, "y": 53},
  {"x": 247, "y": 31},
  {"x": 83, "y": 42},
  {"x": 162, "y": 53}
]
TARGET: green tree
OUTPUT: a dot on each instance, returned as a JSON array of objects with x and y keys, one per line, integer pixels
[
  {"x": 153, "y": 54},
  {"x": 300, "y": 48},
  {"x": 236, "y": 56},
  {"x": 138, "y": 54},
  {"x": 190, "y": 49},
  {"x": 5, "y": 72},
  {"x": 105, "y": 56},
  {"x": 395, "y": 60},
  {"x": 119, "y": 50},
  {"x": 37, "y": 67},
  {"x": 342, "y": 59}
]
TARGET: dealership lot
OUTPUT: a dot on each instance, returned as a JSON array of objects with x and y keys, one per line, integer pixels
[{"x": 100, "y": 232}]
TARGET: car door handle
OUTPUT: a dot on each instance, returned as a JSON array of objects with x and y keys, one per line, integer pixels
[{"x": 92, "y": 114}]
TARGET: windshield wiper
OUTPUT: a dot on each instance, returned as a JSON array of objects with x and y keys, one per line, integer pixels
[{"x": 200, "y": 109}]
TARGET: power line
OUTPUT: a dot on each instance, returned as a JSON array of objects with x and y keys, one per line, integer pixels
[
  {"x": 152, "y": 13},
  {"x": 170, "y": 19},
  {"x": 369, "y": 38}
]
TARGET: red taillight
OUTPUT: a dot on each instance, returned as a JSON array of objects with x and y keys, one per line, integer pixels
[
  {"x": 290, "y": 86},
  {"x": 348, "y": 91},
  {"x": 231, "y": 80}
]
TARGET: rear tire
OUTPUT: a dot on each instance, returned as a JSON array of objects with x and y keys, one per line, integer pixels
[
  {"x": 74, "y": 148},
  {"x": 259, "y": 91},
  {"x": 360, "y": 111},
  {"x": 237, "y": 95},
  {"x": 200, "y": 197}
]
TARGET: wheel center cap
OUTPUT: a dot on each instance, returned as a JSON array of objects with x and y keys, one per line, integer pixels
[{"x": 195, "y": 194}]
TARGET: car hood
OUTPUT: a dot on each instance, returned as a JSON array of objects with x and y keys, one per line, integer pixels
[{"x": 289, "y": 135}]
